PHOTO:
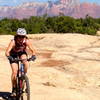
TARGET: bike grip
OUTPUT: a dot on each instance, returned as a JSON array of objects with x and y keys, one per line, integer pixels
[{"x": 33, "y": 57}]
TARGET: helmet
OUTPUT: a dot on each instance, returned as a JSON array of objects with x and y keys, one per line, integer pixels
[{"x": 21, "y": 31}]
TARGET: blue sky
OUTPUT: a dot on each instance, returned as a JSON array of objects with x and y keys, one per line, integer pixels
[
  {"x": 93, "y": 1},
  {"x": 17, "y": 2}
]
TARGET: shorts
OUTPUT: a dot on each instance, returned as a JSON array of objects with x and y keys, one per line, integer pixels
[{"x": 15, "y": 55}]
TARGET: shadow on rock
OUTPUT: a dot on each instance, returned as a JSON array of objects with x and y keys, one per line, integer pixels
[{"x": 6, "y": 96}]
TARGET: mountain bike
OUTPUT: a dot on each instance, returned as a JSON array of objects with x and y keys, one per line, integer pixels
[{"x": 22, "y": 82}]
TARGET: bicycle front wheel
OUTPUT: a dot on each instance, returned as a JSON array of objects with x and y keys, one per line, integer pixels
[{"x": 25, "y": 95}]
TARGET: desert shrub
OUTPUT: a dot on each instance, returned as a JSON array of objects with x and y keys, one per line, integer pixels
[{"x": 56, "y": 24}]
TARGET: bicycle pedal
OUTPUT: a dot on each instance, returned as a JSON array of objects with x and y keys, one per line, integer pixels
[
  {"x": 22, "y": 77},
  {"x": 26, "y": 90}
]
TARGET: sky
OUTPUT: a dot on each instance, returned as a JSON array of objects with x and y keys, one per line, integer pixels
[
  {"x": 92, "y": 1},
  {"x": 17, "y": 2}
]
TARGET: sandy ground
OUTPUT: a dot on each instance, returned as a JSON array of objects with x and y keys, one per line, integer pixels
[{"x": 67, "y": 67}]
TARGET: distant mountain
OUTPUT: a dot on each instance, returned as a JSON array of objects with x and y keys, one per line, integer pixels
[{"x": 66, "y": 7}]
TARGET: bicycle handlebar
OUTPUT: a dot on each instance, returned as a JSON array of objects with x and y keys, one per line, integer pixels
[
  {"x": 32, "y": 58},
  {"x": 28, "y": 59}
]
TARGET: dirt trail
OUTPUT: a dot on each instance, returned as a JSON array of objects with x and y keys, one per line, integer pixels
[{"x": 67, "y": 67}]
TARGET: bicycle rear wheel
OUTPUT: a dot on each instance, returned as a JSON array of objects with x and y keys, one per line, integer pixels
[{"x": 25, "y": 95}]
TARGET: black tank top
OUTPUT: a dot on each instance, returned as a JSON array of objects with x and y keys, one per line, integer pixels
[{"x": 20, "y": 45}]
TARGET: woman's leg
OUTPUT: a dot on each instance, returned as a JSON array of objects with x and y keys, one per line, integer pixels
[
  {"x": 25, "y": 62},
  {"x": 14, "y": 67}
]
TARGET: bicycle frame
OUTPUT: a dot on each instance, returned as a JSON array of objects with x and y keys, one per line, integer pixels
[
  {"x": 21, "y": 82},
  {"x": 20, "y": 69},
  {"x": 20, "y": 73}
]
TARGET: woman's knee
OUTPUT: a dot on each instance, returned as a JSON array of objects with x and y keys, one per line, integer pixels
[
  {"x": 14, "y": 73},
  {"x": 24, "y": 56}
]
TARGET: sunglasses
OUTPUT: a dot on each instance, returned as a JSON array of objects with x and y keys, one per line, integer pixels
[{"x": 21, "y": 36}]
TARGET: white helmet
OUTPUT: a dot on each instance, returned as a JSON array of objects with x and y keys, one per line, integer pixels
[{"x": 21, "y": 31}]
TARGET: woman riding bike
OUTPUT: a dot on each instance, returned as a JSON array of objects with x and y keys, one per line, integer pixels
[{"x": 17, "y": 48}]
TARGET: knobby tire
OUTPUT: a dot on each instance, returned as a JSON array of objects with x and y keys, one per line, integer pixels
[{"x": 25, "y": 88}]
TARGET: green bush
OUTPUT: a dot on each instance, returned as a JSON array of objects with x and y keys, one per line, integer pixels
[{"x": 56, "y": 24}]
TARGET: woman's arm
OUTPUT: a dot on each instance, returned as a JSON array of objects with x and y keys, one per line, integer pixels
[
  {"x": 10, "y": 46},
  {"x": 30, "y": 46}
]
